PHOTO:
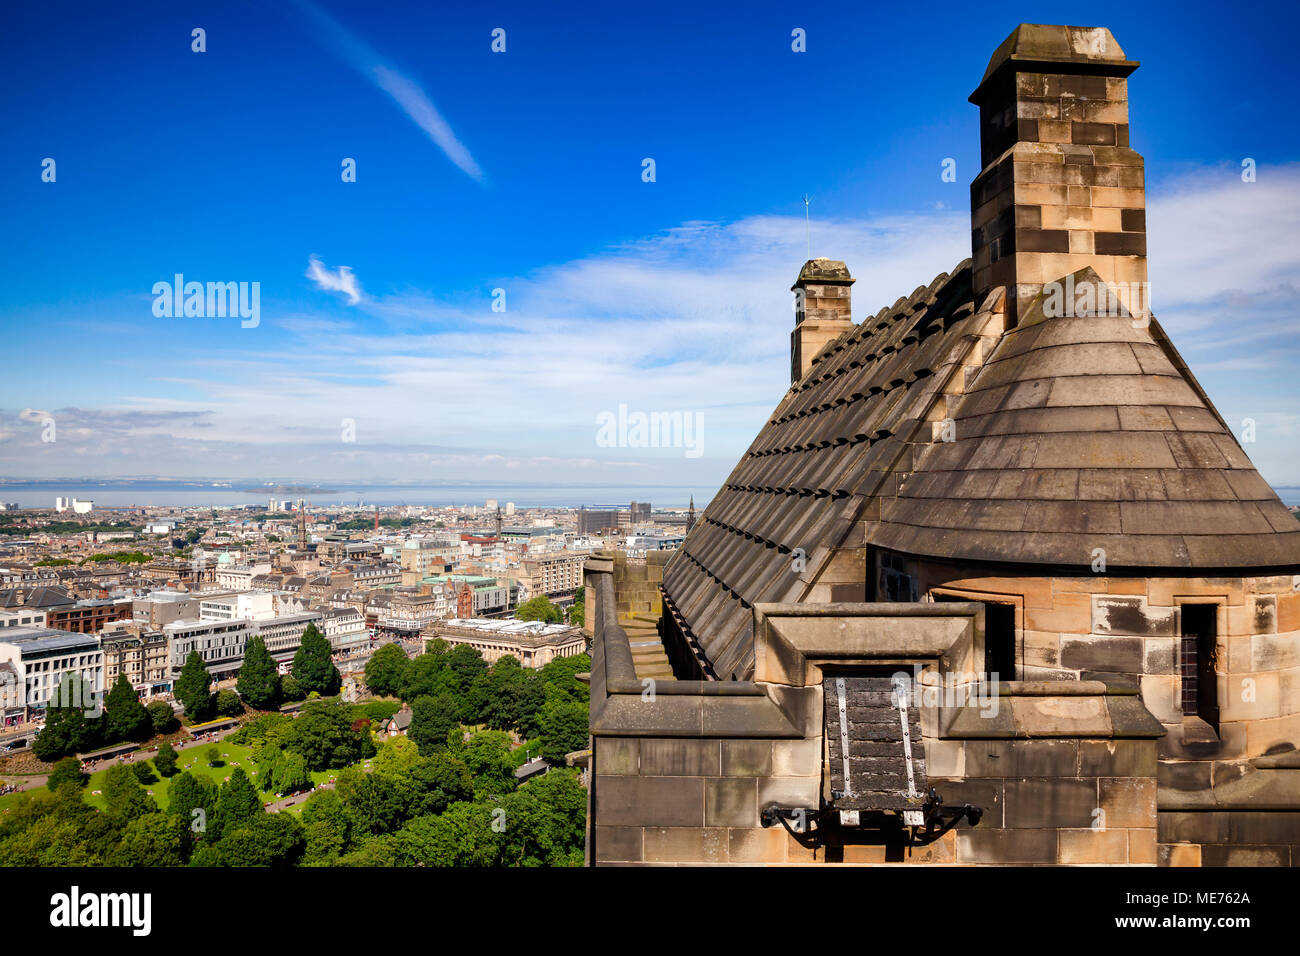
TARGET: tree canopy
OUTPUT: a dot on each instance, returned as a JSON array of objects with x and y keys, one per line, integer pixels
[
  {"x": 541, "y": 609},
  {"x": 259, "y": 677},
  {"x": 386, "y": 670},
  {"x": 71, "y": 721},
  {"x": 313, "y": 667},
  {"x": 194, "y": 689}
]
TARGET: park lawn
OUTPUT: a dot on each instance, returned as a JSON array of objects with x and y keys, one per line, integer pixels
[{"x": 195, "y": 761}]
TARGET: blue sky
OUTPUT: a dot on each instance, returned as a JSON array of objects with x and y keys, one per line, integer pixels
[{"x": 671, "y": 295}]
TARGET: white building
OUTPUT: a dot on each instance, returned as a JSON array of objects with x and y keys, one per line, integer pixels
[
  {"x": 283, "y": 635},
  {"x": 38, "y": 659},
  {"x": 220, "y": 643},
  {"x": 250, "y": 605},
  {"x": 532, "y": 643},
  {"x": 22, "y": 617},
  {"x": 346, "y": 629}
]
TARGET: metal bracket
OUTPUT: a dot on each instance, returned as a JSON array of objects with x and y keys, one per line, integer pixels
[{"x": 844, "y": 734}]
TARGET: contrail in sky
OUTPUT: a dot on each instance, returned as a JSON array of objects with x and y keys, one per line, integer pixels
[{"x": 406, "y": 92}]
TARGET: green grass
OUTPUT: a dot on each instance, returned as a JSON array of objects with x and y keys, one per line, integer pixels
[{"x": 195, "y": 761}]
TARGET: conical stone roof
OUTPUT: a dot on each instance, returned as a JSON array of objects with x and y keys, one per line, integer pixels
[{"x": 1085, "y": 434}]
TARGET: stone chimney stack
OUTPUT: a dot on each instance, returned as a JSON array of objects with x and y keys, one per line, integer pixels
[
  {"x": 822, "y": 311},
  {"x": 1060, "y": 189}
]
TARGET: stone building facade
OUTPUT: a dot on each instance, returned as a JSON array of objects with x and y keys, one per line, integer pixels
[{"x": 995, "y": 546}]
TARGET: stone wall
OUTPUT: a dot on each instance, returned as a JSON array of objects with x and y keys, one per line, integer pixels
[
  {"x": 1068, "y": 778},
  {"x": 682, "y": 771},
  {"x": 1073, "y": 627},
  {"x": 697, "y": 800},
  {"x": 1228, "y": 796}
]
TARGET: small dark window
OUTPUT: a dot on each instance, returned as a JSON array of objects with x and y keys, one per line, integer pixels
[
  {"x": 1197, "y": 657},
  {"x": 999, "y": 637},
  {"x": 1000, "y": 641}
]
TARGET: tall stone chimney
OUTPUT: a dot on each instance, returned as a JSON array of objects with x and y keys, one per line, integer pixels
[
  {"x": 822, "y": 311},
  {"x": 1060, "y": 189}
]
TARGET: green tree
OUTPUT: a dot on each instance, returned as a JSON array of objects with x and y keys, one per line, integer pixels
[
  {"x": 165, "y": 760},
  {"x": 267, "y": 840},
  {"x": 488, "y": 756},
  {"x": 431, "y": 719},
  {"x": 124, "y": 716},
  {"x": 432, "y": 784},
  {"x": 326, "y": 826},
  {"x": 313, "y": 667},
  {"x": 466, "y": 663},
  {"x": 237, "y": 802},
  {"x": 155, "y": 839},
  {"x": 545, "y": 822},
  {"x": 427, "y": 676},
  {"x": 373, "y": 801},
  {"x": 51, "y": 832},
  {"x": 531, "y": 701},
  {"x": 269, "y": 728},
  {"x": 290, "y": 689},
  {"x": 259, "y": 677},
  {"x": 290, "y": 775},
  {"x": 67, "y": 772},
  {"x": 123, "y": 795},
  {"x": 162, "y": 717},
  {"x": 386, "y": 670},
  {"x": 72, "y": 721},
  {"x": 563, "y": 728},
  {"x": 462, "y": 836},
  {"x": 578, "y": 612},
  {"x": 377, "y": 851},
  {"x": 396, "y": 756},
  {"x": 541, "y": 609},
  {"x": 194, "y": 689},
  {"x": 268, "y": 758},
  {"x": 378, "y": 711},
  {"x": 558, "y": 677},
  {"x": 188, "y": 794},
  {"x": 505, "y": 687},
  {"x": 228, "y": 704},
  {"x": 325, "y": 736}
]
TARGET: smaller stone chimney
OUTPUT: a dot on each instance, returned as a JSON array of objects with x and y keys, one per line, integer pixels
[{"x": 822, "y": 311}]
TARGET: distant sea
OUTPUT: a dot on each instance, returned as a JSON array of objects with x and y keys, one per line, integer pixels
[{"x": 194, "y": 493}]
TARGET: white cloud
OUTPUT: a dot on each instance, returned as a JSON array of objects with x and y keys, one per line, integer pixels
[
  {"x": 341, "y": 280},
  {"x": 696, "y": 319},
  {"x": 408, "y": 95}
]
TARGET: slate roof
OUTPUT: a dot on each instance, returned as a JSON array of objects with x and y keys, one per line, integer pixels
[
  {"x": 817, "y": 461},
  {"x": 1084, "y": 433},
  {"x": 35, "y": 597},
  {"x": 1077, "y": 434}
]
